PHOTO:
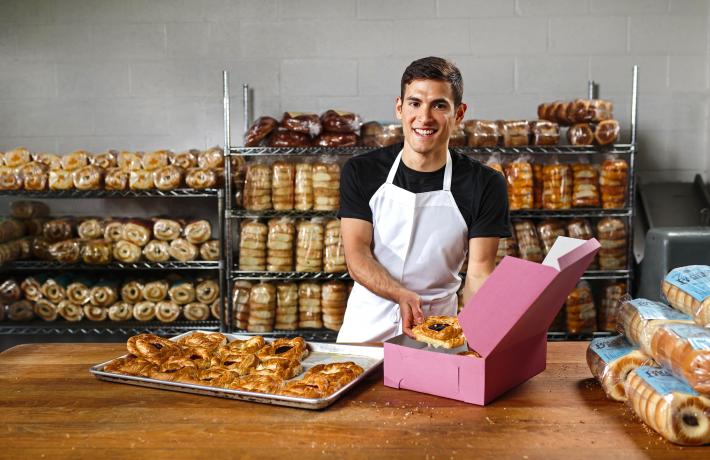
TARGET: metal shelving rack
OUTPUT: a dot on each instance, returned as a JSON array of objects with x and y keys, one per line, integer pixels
[
  {"x": 108, "y": 328},
  {"x": 626, "y": 151}
]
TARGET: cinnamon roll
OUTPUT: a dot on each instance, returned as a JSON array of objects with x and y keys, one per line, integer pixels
[
  {"x": 167, "y": 177},
  {"x": 103, "y": 295},
  {"x": 137, "y": 231},
  {"x": 75, "y": 160},
  {"x": 167, "y": 229},
  {"x": 144, "y": 311},
  {"x": 157, "y": 251},
  {"x": 46, "y": 310},
  {"x": 70, "y": 311},
  {"x": 66, "y": 252},
  {"x": 95, "y": 313},
  {"x": 167, "y": 312},
  {"x": 116, "y": 179},
  {"x": 96, "y": 252},
  {"x": 132, "y": 291},
  {"x": 129, "y": 161},
  {"x": 10, "y": 291},
  {"x": 17, "y": 157},
  {"x": 184, "y": 160},
  {"x": 120, "y": 311},
  {"x": 91, "y": 229},
  {"x": 20, "y": 310},
  {"x": 53, "y": 291},
  {"x": 104, "y": 160},
  {"x": 210, "y": 250},
  {"x": 155, "y": 291},
  {"x": 207, "y": 291},
  {"x": 200, "y": 178},
  {"x": 140, "y": 179},
  {"x": 78, "y": 293},
  {"x": 60, "y": 180},
  {"x": 88, "y": 178},
  {"x": 113, "y": 230},
  {"x": 198, "y": 231},
  {"x": 182, "y": 292},
  {"x": 34, "y": 176},
  {"x": 182, "y": 250},
  {"x": 196, "y": 311},
  {"x": 155, "y": 160},
  {"x": 126, "y": 252}
]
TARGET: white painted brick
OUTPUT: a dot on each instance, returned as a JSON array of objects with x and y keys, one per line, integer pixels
[
  {"x": 54, "y": 116},
  {"x": 689, "y": 7},
  {"x": 475, "y": 8},
  {"x": 153, "y": 142},
  {"x": 654, "y": 112},
  {"x": 368, "y": 107},
  {"x": 165, "y": 10},
  {"x": 188, "y": 39},
  {"x": 299, "y": 104},
  {"x": 487, "y": 74},
  {"x": 312, "y": 77},
  {"x": 53, "y": 41},
  {"x": 67, "y": 144},
  {"x": 214, "y": 122},
  {"x": 91, "y": 11},
  {"x": 28, "y": 11},
  {"x": 186, "y": 115},
  {"x": 489, "y": 106},
  {"x": 133, "y": 116},
  {"x": 354, "y": 38},
  {"x": 8, "y": 40},
  {"x": 688, "y": 73},
  {"x": 223, "y": 40},
  {"x": 668, "y": 34},
  {"x": 278, "y": 39},
  {"x": 28, "y": 79},
  {"x": 613, "y": 73},
  {"x": 168, "y": 78},
  {"x": 628, "y": 6},
  {"x": 235, "y": 10},
  {"x": 497, "y": 36},
  {"x": 306, "y": 9},
  {"x": 682, "y": 152},
  {"x": 262, "y": 75},
  {"x": 588, "y": 35},
  {"x": 653, "y": 148},
  {"x": 101, "y": 78},
  {"x": 381, "y": 76},
  {"x": 34, "y": 143},
  {"x": 142, "y": 41},
  {"x": 417, "y": 37},
  {"x": 546, "y": 73},
  {"x": 551, "y": 7},
  {"x": 8, "y": 124},
  {"x": 396, "y": 9},
  {"x": 688, "y": 112}
]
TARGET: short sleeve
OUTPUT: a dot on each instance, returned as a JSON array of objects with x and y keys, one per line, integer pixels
[
  {"x": 493, "y": 218},
  {"x": 353, "y": 201}
]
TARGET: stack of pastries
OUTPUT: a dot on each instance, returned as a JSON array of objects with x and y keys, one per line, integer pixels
[
  {"x": 253, "y": 365},
  {"x": 302, "y": 129}
]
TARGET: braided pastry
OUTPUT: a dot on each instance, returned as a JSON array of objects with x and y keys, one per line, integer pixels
[
  {"x": 440, "y": 331},
  {"x": 251, "y": 345}
]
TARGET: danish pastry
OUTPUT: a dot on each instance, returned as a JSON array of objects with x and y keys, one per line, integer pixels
[
  {"x": 34, "y": 176},
  {"x": 166, "y": 311},
  {"x": 70, "y": 311},
  {"x": 337, "y": 374},
  {"x": 113, "y": 231},
  {"x": 251, "y": 345},
  {"x": 103, "y": 295},
  {"x": 440, "y": 331},
  {"x": 283, "y": 368},
  {"x": 182, "y": 292},
  {"x": 207, "y": 291},
  {"x": 258, "y": 383},
  {"x": 17, "y": 157},
  {"x": 283, "y": 182},
  {"x": 293, "y": 349},
  {"x": 211, "y": 158}
]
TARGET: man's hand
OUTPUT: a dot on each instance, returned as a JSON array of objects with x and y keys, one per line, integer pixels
[{"x": 410, "y": 307}]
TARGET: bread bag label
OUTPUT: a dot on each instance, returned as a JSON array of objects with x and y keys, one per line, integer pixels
[
  {"x": 693, "y": 279},
  {"x": 648, "y": 309},
  {"x": 610, "y": 349},
  {"x": 698, "y": 337},
  {"x": 663, "y": 381}
]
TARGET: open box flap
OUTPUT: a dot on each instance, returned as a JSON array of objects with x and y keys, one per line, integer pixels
[{"x": 521, "y": 298}]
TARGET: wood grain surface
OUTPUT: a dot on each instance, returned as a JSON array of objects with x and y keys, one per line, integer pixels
[{"x": 51, "y": 407}]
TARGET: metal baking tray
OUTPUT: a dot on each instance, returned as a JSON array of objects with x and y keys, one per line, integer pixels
[{"x": 370, "y": 358}]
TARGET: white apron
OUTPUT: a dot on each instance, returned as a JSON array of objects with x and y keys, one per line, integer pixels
[{"x": 421, "y": 239}]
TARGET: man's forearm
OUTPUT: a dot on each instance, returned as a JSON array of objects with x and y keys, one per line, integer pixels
[
  {"x": 367, "y": 271},
  {"x": 473, "y": 283}
]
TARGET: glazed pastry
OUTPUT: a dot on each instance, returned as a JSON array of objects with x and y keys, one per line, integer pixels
[
  {"x": 184, "y": 160},
  {"x": 20, "y": 310},
  {"x": 120, "y": 311},
  {"x": 96, "y": 252},
  {"x": 45, "y": 310},
  {"x": 88, "y": 178},
  {"x": 60, "y": 180},
  {"x": 132, "y": 291},
  {"x": 262, "y": 127},
  {"x": 611, "y": 359},
  {"x": 104, "y": 160},
  {"x": 137, "y": 231},
  {"x": 78, "y": 293},
  {"x": 103, "y": 295},
  {"x": 139, "y": 179},
  {"x": 302, "y": 122},
  {"x": 182, "y": 250},
  {"x": 440, "y": 331},
  {"x": 207, "y": 291},
  {"x": 113, "y": 230},
  {"x": 70, "y": 311},
  {"x": 53, "y": 291},
  {"x": 116, "y": 179},
  {"x": 126, "y": 252},
  {"x": 293, "y": 349},
  {"x": 155, "y": 291},
  {"x": 210, "y": 250},
  {"x": 212, "y": 158},
  {"x": 258, "y": 383},
  {"x": 198, "y": 231},
  {"x": 167, "y": 177},
  {"x": 66, "y": 252},
  {"x": 200, "y": 178},
  {"x": 340, "y": 122},
  {"x": 326, "y": 186},
  {"x": 166, "y": 312},
  {"x": 91, "y": 229},
  {"x": 144, "y": 311},
  {"x": 95, "y": 313},
  {"x": 303, "y": 188},
  {"x": 196, "y": 311},
  {"x": 130, "y": 161},
  {"x": 157, "y": 251},
  {"x": 167, "y": 229},
  {"x": 155, "y": 160},
  {"x": 182, "y": 292}
]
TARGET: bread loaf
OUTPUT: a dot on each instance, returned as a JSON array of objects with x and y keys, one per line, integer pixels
[
  {"x": 303, "y": 191},
  {"x": 684, "y": 350},
  {"x": 309, "y": 246},
  {"x": 585, "y": 191},
  {"x": 688, "y": 290},
  {"x": 283, "y": 183},
  {"x": 481, "y": 133},
  {"x": 557, "y": 186},
  {"x": 611, "y": 359},
  {"x": 257, "y": 187},
  {"x": 613, "y": 182},
  {"x": 286, "y": 306},
  {"x": 326, "y": 186},
  {"x": 280, "y": 243},
  {"x": 262, "y": 127},
  {"x": 520, "y": 184},
  {"x": 252, "y": 246}
]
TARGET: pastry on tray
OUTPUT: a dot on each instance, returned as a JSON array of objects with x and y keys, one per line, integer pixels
[{"x": 440, "y": 331}]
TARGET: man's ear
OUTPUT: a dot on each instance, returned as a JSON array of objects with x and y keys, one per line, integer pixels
[
  {"x": 398, "y": 108},
  {"x": 460, "y": 112}
]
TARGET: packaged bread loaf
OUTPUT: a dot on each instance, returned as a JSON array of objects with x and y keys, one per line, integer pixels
[
  {"x": 201, "y": 178},
  {"x": 140, "y": 179},
  {"x": 309, "y": 305},
  {"x": 580, "y": 134},
  {"x": 612, "y": 293},
  {"x": 684, "y": 350},
  {"x": 166, "y": 311},
  {"x": 167, "y": 229},
  {"x": 104, "y": 160},
  {"x": 581, "y": 229},
  {"x": 96, "y": 252},
  {"x": 538, "y": 184},
  {"x": 688, "y": 290},
  {"x": 116, "y": 179},
  {"x": 210, "y": 250},
  {"x": 520, "y": 184},
  {"x": 639, "y": 318},
  {"x": 17, "y": 157},
  {"x": 302, "y": 122},
  {"x": 334, "y": 299},
  {"x": 528, "y": 242},
  {"x": 309, "y": 245},
  {"x": 333, "y": 121},
  {"x": 286, "y": 306},
  {"x": 334, "y": 140},
  {"x": 59, "y": 180},
  {"x": 168, "y": 177},
  {"x": 280, "y": 244},
  {"x": 129, "y": 161},
  {"x": 514, "y": 133},
  {"x": 126, "y": 252},
  {"x": 120, "y": 311},
  {"x": 260, "y": 130},
  {"x": 391, "y": 134},
  {"x": 34, "y": 175},
  {"x": 611, "y": 232},
  {"x": 669, "y": 406},
  {"x": 240, "y": 303},
  {"x": 303, "y": 187},
  {"x": 155, "y": 160},
  {"x": 282, "y": 137},
  {"x": 334, "y": 255},
  {"x": 606, "y": 132},
  {"x": 481, "y": 133},
  {"x": 326, "y": 186},
  {"x": 506, "y": 247},
  {"x": 262, "y": 308},
  {"x": 585, "y": 192},
  {"x": 580, "y": 310},
  {"x": 613, "y": 181},
  {"x": 282, "y": 185},
  {"x": 198, "y": 231},
  {"x": 257, "y": 187},
  {"x": 611, "y": 359},
  {"x": 252, "y": 246},
  {"x": 31, "y": 289},
  {"x": 544, "y": 132},
  {"x": 144, "y": 310},
  {"x": 184, "y": 160},
  {"x": 457, "y": 137},
  {"x": 557, "y": 186},
  {"x": 46, "y": 310},
  {"x": 549, "y": 230},
  {"x": 75, "y": 160},
  {"x": 91, "y": 228}
]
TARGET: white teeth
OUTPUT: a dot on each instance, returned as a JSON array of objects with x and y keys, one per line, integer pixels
[{"x": 424, "y": 132}]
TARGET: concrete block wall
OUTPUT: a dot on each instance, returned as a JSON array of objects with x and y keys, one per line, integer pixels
[{"x": 145, "y": 74}]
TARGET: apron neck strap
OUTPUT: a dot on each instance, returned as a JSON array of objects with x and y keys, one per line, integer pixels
[{"x": 447, "y": 170}]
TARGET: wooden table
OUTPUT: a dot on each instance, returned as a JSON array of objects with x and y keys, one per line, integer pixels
[{"x": 51, "y": 407}]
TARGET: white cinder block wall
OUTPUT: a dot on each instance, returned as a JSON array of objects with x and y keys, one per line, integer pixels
[{"x": 145, "y": 74}]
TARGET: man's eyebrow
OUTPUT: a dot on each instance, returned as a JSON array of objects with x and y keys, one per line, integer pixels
[
  {"x": 435, "y": 101},
  {"x": 412, "y": 98}
]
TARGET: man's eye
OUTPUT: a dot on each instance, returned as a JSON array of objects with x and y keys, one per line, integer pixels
[{"x": 441, "y": 106}]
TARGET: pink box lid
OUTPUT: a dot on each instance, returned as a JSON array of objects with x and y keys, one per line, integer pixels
[{"x": 521, "y": 298}]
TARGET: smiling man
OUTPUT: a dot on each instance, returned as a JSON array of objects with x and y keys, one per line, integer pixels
[{"x": 409, "y": 213}]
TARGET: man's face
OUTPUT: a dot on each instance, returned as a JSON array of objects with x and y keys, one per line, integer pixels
[{"x": 428, "y": 115}]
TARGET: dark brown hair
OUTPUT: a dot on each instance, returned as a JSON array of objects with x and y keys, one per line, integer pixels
[{"x": 434, "y": 68}]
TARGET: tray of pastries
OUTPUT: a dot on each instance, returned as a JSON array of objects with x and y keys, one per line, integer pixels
[{"x": 279, "y": 371}]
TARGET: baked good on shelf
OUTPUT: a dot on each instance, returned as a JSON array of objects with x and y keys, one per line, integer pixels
[
  {"x": 544, "y": 132},
  {"x": 684, "y": 350},
  {"x": 198, "y": 231},
  {"x": 201, "y": 178},
  {"x": 34, "y": 176},
  {"x": 167, "y": 177},
  {"x": 78, "y": 292},
  {"x": 207, "y": 291},
  {"x": 58, "y": 229},
  {"x": 167, "y": 311},
  {"x": 31, "y": 289},
  {"x": 580, "y": 134},
  {"x": 580, "y": 310},
  {"x": 58, "y": 180},
  {"x": 137, "y": 231},
  {"x": 302, "y": 122},
  {"x": 309, "y": 305},
  {"x": 337, "y": 375},
  {"x": 282, "y": 137},
  {"x": 303, "y": 187},
  {"x": 20, "y": 310},
  {"x": 157, "y": 251},
  {"x": 87, "y": 178},
  {"x": 286, "y": 306},
  {"x": 129, "y": 161},
  {"x": 458, "y": 136},
  {"x": 613, "y": 182},
  {"x": 252, "y": 246},
  {"x": 326, "y": 186},
  {"x": 126, "y": 252},
  {"x": 96, "y": 252},
  {"x": 240, "y": 303},
  {"x": 639, "y": 318},
  {"x": 116, "y": 179},
  {"x": 440, "y": 331},
  {"x": 527, "y": 240},
  {"x": 669, "y": 406},
  {"x": 132, "y": 291},
  {"x": 333, "y": 140},
  {"x": 144, "y": 310},
  {"x": 309, "y": 245},
  {"x": 334, "y": 121},
  {"x": 481, "y": 133},
  {"x": 95, "y": 313},
  {"x": 140, "y": 179},
  {"x": 17, "y": 157},
  {"x": 606, "y": 132},
  {"x": 258, "y": 383},
  {"x": 283, "y": 182},
  {"x": 334, "y": 255},
  {"x": 10, "y": 291},
  {"x": 182, "y": 250},
  {"x": 257, "y": 187},
  {"x": 519, "y": 175},
  {"x": 210, "y": 250},
  {"x": 167, "y": 229},
  {"x": 506, "y": 247},
  {"x": 514, "y": 133},
  {"x": 155, "y": 160},
  {"x": 585, "y": 190},
  {"x": 155, "y": 291},
  {"x": 113, "y": 230},
  {"x": 45, "y": 309},
  {"x": 557, "y": 186},
  {"x": 613, "y": 291},
  {"x": 183, "y": 160},
  {"x": 104, "y": 160},
  {"x": 120, "y": 311},
  {"x": 196, "y": 311},
  {"x": 334, "y": 299},
  {"x": 391, "y": 134},
  {"x": 262, "y": 307},
  {"x": 280, "y": 242},
  {"x": 611, "y": 232},
  {"x": 75, "y": 160},
  {"x": 91, "y": 228},
  {"x": 182, "y": 292},
  {"x": 70, "y": 311},
  {"x": 28, "y": 209},
  {"x": 66, "y": 252},
  {"x": 262, "y": 127},
  {"x": 52, "y": 160},
  {"x": 549, "y": 230},
  {"x": 688, "y": 290}
]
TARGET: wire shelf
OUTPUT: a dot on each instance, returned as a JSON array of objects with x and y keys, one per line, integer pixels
[
  {"x": 173, "y": 265},
  {"x": 177, "y": 193},
  {"x": 247, "y": 214},
  {"x": 298, "y": 151},
  {"x": 289, "y": 276},
  {"x": 40, "y": 327},
  {"x": 563, "y": 336},
  {"x": 312, "y": 335}
]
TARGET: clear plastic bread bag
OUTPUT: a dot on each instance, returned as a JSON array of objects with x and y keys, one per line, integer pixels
[
  {"x": 610, "y": 359},
  {"x": 557, "y": 185},
  {"x": 688, "y": 290},
  {"x": 684, "y": 349},
  {"x": 303, "y": 186},
  {"x": 310, "y": 244},
  {"x": 326, "y": 184},
  {"x": 580, "y": 310},
  {"x": 528, "y": 241},
  {"x": 495, "y": 162},
  {"x": 481, "y": 133},
  {"x": 257, "y": 186},
  {"x": 252, "y": 245},
  {"x": 520, "y": 183},
  {"x": 282, "y": 185},
  {"x": 585, "y": 184},
  {"x": 280, "y": 244},
  {"x": 612, "y": 293},
  {"x": 549, "y": 230},
  {"x": 613, "y": 182}
]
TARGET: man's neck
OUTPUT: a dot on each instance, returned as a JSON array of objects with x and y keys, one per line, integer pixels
[{"x": 431, "y": 161}]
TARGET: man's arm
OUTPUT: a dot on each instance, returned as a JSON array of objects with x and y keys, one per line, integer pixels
[
  {"x": 366, "y": 270},
  {"x": 481, "y": 262}
]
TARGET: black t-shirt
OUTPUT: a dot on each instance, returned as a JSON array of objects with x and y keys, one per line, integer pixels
[{"x": 480, "y": 192}]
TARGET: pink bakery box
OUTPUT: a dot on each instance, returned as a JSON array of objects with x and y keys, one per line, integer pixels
[{"x": 506, "y": 322}]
